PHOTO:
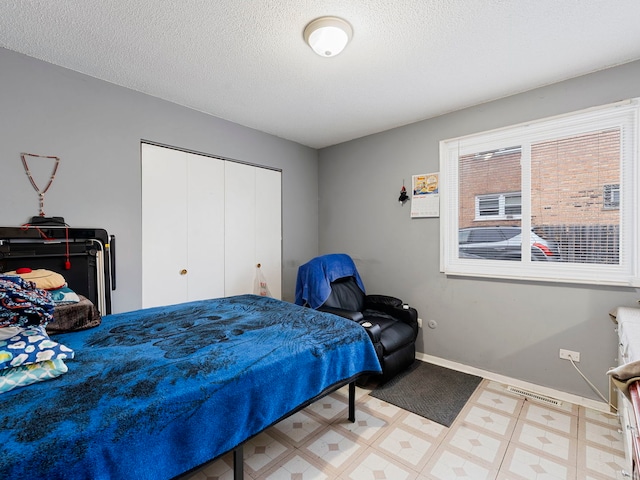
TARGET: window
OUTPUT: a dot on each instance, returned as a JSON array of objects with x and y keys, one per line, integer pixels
[
  {"x": 498, "y": 206},
  {"x": 551, "y": 200},
  {"x": 611, "y": 197}
]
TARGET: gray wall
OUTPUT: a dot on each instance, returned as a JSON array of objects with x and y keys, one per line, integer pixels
[
  {"x": 95, "y": 128},
  {"x": 510, "y": 328},
  {"x": 514, "y": 329}
]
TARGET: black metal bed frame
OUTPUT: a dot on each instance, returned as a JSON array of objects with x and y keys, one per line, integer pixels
[{"x": 238, "y": 464}]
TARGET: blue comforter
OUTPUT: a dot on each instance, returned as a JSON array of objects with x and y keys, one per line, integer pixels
[{"x": 156, "y": 392}]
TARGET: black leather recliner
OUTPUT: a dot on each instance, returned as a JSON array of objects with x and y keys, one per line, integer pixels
[{"x": 391, "y": 325}]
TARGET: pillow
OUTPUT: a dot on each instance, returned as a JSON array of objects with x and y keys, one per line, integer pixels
[
  {"x": 24, "y": 375},
  {"x": 31, "y": 345},
  {"x": 8, "y": 332},
  {"x": 44, "y": 279},
  {"x": 64, "y": 295}
]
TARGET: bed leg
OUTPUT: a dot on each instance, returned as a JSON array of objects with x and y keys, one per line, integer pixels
[
  {"x": 352, "y": 402},
  {"x": 238, "y": 473}
]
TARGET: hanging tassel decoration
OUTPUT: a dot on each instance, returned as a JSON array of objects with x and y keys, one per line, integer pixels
[{"x": 403, "y": 194}]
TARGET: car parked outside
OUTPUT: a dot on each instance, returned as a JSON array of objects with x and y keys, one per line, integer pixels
[{"x": 503, "y": 243}]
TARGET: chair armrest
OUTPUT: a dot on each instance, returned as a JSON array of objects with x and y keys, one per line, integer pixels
[
  {"x": 409, "y": 316},
  {"x": 350, "y": 314},
  {"x": 394, "y": 307},
  {"x": 373, "y": 330}
]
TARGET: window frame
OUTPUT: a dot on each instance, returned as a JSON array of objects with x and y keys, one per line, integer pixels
[
  {"x": 502, "y": 207},
  {"x": 609, "y": 194},
  {"x": 623, "y": 115}
]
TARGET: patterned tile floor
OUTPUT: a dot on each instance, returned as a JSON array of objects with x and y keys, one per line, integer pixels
[{"x": 497, "y": 435}]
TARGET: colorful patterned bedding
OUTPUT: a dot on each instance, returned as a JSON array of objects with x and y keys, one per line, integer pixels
[{"x": 154, "y": 393}]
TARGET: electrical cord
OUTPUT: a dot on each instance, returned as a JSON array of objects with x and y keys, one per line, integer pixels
[{"x": 591, "y": 384}]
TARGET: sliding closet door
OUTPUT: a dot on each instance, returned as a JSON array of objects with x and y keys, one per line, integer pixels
[
  {"x": 269, "y": 227},
  {"x": 252, "y": 228},
  {"x": 182, "y": 226},
  {"x": 239, "y": 228},
  {"x": 205, "y": 242},
  {"x": 164, "y": 226},
  {"x": 206, "y": 223}
]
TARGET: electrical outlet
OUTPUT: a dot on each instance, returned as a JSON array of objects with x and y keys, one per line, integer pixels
[
  {"x": 569, "y": 355},
  {"x": 419, "y": 323}
]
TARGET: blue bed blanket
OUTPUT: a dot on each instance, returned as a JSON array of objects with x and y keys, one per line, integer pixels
[{"x": 156, "y": 392}]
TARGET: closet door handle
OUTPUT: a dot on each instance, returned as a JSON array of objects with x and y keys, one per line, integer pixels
[{"x": 183, "y": 271}]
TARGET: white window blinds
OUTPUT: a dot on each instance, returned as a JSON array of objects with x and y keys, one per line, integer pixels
[{"x": 563, "y": 190}]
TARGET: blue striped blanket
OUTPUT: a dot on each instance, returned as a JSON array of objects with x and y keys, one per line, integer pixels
[{"x": 156, "y": 392}]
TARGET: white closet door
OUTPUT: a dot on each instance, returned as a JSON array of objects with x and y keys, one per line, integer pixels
[
  {"x": 206, "y": 223},
  {"x": 205, "y": 240},
  {"x": 240, "y": 228},
  {"x": 269, "y": 227},
  {"x": 164, "y": 226}
]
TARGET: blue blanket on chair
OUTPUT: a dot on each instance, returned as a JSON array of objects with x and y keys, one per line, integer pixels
[
  {"x": 156, "y": 392},
  {"x": 313, "y": 285}
]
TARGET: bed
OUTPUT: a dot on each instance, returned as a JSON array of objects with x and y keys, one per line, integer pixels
[{"x": 155, "y": 393}]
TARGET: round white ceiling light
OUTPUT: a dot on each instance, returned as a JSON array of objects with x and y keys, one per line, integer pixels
[{"x": 328, "y": 36}]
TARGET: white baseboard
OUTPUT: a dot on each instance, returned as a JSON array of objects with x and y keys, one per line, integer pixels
[{"x": 532, "y": 387}]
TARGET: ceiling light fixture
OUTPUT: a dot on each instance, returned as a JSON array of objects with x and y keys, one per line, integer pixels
[{"x": 328, "y": 36}]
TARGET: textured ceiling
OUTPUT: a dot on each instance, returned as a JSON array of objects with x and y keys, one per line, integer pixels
[{"x": 246, "y": 61}]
